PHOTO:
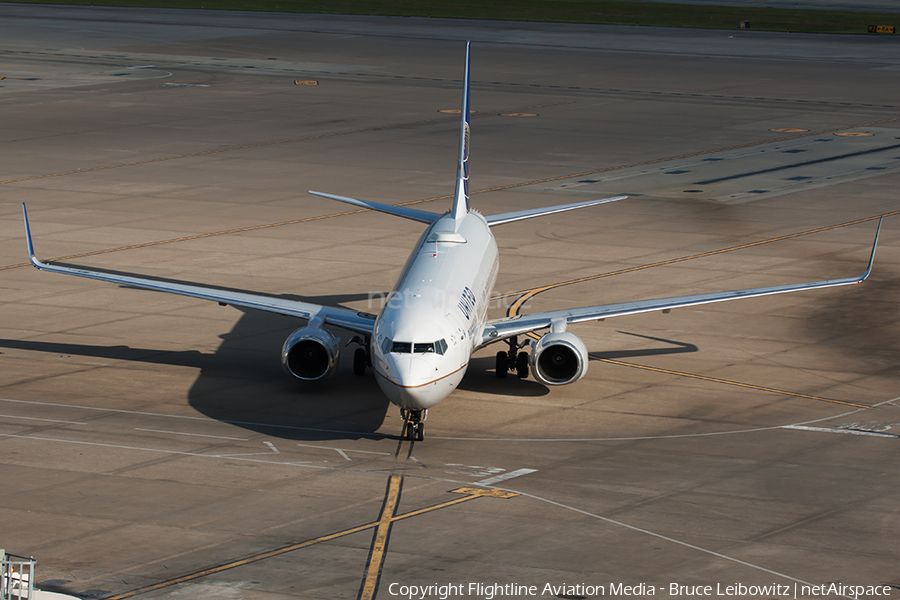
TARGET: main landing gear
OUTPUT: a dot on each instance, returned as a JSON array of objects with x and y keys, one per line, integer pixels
[
  {"x": 414, "y": 424},
  {"x": 361, "y": 358},
  {"x": 513, "y": 360}
]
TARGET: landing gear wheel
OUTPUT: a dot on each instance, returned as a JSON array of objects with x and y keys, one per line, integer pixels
[
  {"x": 502, "y": 365},
  {"x": 415, "y": 428},
  {"x": 359, "y": 362},
  {"x": 522, "y": 365}
]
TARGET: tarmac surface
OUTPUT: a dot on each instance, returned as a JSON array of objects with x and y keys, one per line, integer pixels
[
  {"x": 875, "y": 6},
  {"x": 152, "y": 447}
]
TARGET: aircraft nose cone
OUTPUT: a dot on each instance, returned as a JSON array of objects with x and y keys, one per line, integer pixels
[
  {"x": 412, "y": 371},
  {"x": 415, "y": 378}
]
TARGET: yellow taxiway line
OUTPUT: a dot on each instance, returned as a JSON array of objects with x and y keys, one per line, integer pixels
[
  {"x": 389, "y": 508},
  {"x": 729, "y": 382},
  {"x": 526, "y": 295}
]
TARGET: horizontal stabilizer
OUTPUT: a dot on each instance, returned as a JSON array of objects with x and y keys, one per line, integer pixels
[
  {"x": 518, "y": 215},
  {"x": 398, "y": 211}
]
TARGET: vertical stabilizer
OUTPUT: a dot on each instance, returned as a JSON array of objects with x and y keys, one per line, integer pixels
[{"x": 461, "y": 198}]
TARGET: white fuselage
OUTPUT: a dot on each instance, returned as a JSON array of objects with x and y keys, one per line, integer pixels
[{"x": 433, "y": 319}]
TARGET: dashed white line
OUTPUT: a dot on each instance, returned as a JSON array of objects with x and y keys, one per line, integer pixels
[
  {"x": 39, "y": 419},
  {"x": 342, "y": 451},
  {"x": 846, "y": 431},
  {"x": 218, "y": 437}
]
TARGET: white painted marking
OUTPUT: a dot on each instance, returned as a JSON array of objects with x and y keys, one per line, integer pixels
[
  {"x": 505, "y": 476},
  {"x": 663, "y": 537},
  {"x": 847, "y": 431},
  {"x": 218, "y": 437},
  {"x": 192, "y": 418},
  {"x": 272, "y": 446},
  {"x": 344, "y": 450},
  {"x": 39, "y": 419},
  {"x": 305, "y": 463},
  {"x": 342, "y": 453}
]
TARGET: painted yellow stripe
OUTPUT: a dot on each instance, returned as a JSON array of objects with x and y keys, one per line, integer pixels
[
  {"x": 379, "y": 544},
  {"x": 473, "y": 493},
  {"x": 729, "y": 382},
  {"x": 527, "y": 295},
  {"x": 242, "y": 562}
]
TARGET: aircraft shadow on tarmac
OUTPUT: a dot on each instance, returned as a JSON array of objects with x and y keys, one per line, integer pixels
[
  {"x": 481, "y": 376},
  {"x": 242, "y": 382}
]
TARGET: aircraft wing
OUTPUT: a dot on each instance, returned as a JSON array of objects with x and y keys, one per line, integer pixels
[
  {"x": 500, "y": 329},
  {"x": 345, "y": 318}
]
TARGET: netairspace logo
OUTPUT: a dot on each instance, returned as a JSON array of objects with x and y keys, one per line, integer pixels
[{"x": 490, "y": 591}]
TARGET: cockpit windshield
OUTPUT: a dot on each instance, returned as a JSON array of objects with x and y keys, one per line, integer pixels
[
  {"x": 403, "y": 347},
  {"x": 438, "y": 347}
]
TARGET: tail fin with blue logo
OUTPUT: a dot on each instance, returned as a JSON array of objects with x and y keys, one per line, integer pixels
[{"x": 461, "y": 198}]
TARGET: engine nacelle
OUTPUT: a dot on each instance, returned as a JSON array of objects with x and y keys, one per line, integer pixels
[
  {"x": 559, "y": 358},
  {"x": 310, "y": 353}
]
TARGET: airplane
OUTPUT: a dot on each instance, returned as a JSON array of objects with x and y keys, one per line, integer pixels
[{"x": 420, "y": 343}]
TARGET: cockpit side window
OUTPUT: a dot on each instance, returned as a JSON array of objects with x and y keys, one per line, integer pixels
[
  {"x": 386, "y": 345},
  {"x": 440, "y": 346}
]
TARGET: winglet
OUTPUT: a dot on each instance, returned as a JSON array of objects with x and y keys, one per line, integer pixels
[
  {"x": 31, "y": 256},
  {"x": 874, "y": 246},
  {"x": 461, "y": 198}
]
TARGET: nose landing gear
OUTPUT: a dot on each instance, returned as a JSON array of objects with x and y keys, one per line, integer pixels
[
  {"x": 512, "y": 360},
  {"x": 414, "y": 424}
]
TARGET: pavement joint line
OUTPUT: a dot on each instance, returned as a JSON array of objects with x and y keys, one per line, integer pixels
[
  {"x": 516, "y": 306},
  {"x": 526, "y": 295},
  {"x": 265, "y": 144},
  {"x": 471, "y": 494},
  {"x": 690, "y": 155},
  {"x": 421, "y": 201},
  {"x": 665, "y": 538},
  {"x": 250, "y": 227},
  {"x": 730, "y": 382}
]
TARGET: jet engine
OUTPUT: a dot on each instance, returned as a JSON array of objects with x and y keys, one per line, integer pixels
[
  {"x": 310, "y": 354},
  {"x": 559, "y": 358}
]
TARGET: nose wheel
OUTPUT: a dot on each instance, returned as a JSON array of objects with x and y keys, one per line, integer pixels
[
  {"x": 513, "y": 360},
  {"x": 414, "y": 424}
]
